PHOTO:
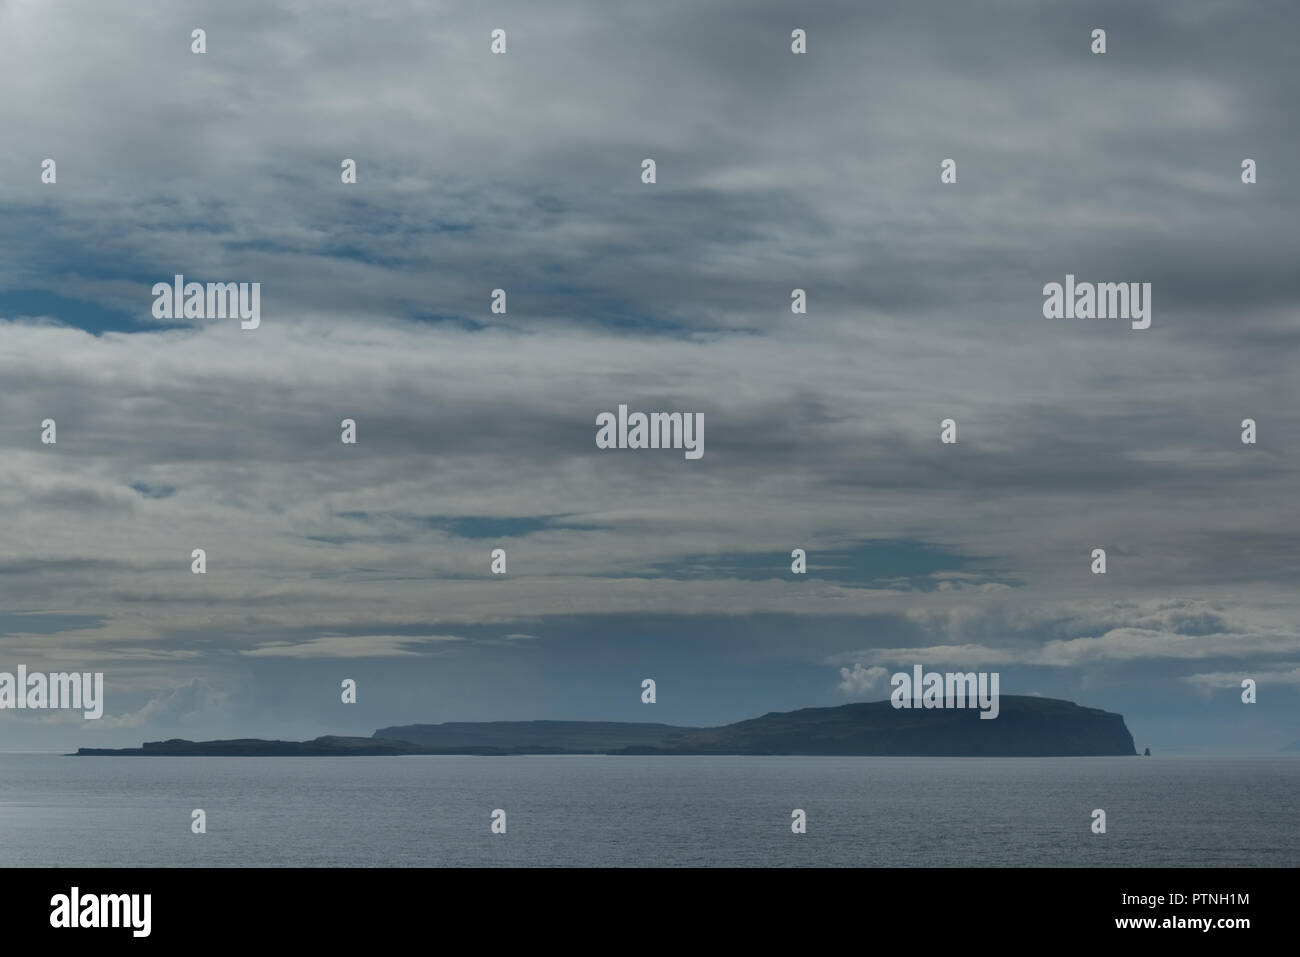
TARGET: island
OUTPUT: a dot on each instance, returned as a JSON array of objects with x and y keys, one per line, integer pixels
[{"x": 1027, "y": 726}]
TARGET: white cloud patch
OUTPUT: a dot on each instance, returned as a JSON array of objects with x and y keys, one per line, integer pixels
[
  {"x": 860, "y": 679},
  {"x": 350, "y": 646},
  {"x": 192, "y": 703},
  {"x": 1210, "y": 682}
]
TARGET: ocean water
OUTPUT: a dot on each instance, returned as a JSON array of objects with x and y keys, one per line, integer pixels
[{"x": 649, "y": 811}]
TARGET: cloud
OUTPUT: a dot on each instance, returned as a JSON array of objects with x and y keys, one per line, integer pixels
[
  {"x": 859, "y": 680},
  {"x": 349, "y": 646},
  {"x": 1217, "y": 681},
  {"x": 1115, "y": 646},
  {"x": 191, "y": 703},
  {"x": 476, "y": 430}
]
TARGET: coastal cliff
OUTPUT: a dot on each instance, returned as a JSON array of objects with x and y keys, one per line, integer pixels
[{"x": 1025, "y": 727}]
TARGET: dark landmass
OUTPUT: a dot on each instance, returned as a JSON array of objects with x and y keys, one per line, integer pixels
[
  {"x": 328, "y": 745},
  {"x": 1024, "y": 727},
  {"x": 582, "y": 737}
]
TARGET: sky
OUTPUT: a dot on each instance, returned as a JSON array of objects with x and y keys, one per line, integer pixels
[{"x": 523, "y": 171}]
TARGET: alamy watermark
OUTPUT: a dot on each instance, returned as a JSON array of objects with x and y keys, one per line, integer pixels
[
  {"x": 949, "y": 690},
  {"x": 1104, "y": 300},
  {"x": 76, "y": 909},
  {"x": 56, "y": 690},
  {"x": 655, "y": 430},
  {"x": 214, "y": 300}
]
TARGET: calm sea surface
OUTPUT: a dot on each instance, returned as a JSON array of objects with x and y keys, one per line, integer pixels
[{"x": 649, "y": 811}]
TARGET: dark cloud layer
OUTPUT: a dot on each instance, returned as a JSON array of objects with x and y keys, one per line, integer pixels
[{"x": 775, "y": 171}]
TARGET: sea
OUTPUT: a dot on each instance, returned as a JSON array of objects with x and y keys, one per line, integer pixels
[{"x": 580, "y": 811}]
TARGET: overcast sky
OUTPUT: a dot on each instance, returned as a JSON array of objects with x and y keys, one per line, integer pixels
[{"x": 475, "y": 431}]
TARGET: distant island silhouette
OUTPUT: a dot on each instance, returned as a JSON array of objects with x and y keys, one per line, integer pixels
[{"x": 1026, "y": 727}]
